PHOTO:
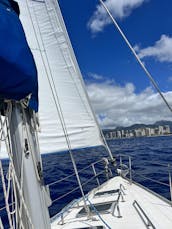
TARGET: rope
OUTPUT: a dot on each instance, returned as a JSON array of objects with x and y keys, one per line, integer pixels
[
  {"x": 56, "y": 99},
  {"x": 75, "y": 66},
  {"x": 31, "y": 136},
  {"x": 22, "y": 198},
  {"x": 5, "y": 195},
  {"x": 3, "y": 123},
  {"x": 98, "y": 214},
  {"x": 13, "y": 175},
  {"x": 136, "y": 56},
  {"x": 29, "y": 143},
  {"x": 53, "y": 88},
  {"x": 21, "y": 185},
  {"x": 72, "y": 59}
]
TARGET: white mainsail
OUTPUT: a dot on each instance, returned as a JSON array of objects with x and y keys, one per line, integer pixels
[{"x": 70, "y": 114}]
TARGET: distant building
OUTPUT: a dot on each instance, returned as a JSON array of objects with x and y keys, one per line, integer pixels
[
  {"x": 166, "y": 129},
  {"x": 139, "y": 132},
  {"x": 152, "y": 131},
  {"x": 161, "y": 130},
  {"x": 119, "y": 135},
  {"x": 147, "y": 131}
]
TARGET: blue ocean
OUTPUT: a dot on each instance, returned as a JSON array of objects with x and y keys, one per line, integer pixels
[{"x": 150, "y": 157}]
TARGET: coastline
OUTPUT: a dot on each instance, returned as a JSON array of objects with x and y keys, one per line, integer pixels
[{"x": 152, "y": 136}]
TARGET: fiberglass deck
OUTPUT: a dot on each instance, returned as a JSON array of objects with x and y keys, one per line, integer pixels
[{"x": 138, "y": 208}]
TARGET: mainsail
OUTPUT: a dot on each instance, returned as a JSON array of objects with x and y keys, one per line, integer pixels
[
  {"x": 67, "y": 120},
  {"x": 66, "y": 117}
]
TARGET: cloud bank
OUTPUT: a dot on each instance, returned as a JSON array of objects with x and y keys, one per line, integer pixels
[
  {"x": 119, "y": 9},
  {"x": 161, "y": 50},
  {"x": 121, "y": 106}
]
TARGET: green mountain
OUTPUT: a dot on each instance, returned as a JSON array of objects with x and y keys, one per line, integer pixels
[{"x": 136, "y": 126}]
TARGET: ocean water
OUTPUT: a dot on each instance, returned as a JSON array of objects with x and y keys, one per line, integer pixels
[{"x": 147, "y": 156}]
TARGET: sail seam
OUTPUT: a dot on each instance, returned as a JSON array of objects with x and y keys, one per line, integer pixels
[{"x": 66, "y": 41}]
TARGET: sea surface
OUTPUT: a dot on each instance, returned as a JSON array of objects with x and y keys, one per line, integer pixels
[{"x": 150, "y": 157}]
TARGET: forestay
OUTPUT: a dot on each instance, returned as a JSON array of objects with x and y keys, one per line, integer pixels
[{"x": 70, "y": 113}]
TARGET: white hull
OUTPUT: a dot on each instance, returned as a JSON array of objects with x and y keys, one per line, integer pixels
[{"x": 156, "y": 212}]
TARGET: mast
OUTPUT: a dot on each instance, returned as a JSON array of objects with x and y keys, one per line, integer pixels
[{"x": 31, "y": 201}]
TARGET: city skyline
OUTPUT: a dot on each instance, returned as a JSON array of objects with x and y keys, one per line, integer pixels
[{"x": 139, "y": 132}]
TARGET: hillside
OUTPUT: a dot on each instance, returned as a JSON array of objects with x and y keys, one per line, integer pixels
[{"x": 137, "y": 126}]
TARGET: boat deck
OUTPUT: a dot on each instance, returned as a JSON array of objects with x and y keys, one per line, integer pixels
[{"x": 118, "y": 204}]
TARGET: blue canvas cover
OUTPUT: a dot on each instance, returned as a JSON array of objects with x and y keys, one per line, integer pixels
[{"x": 18, "y": 74}]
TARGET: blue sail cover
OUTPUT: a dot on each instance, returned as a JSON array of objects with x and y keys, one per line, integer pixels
[{"x": 18, "y": 74}]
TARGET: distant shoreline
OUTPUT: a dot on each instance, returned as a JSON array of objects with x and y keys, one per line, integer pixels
[{"x": 164, "y": 135}]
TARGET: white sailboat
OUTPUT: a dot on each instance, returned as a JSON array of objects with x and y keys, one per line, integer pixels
[{"x": 67, "y": 122}]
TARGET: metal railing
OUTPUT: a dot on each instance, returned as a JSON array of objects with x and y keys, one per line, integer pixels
[
  {"x": 121, "y": 194},
  {"x": 95, "y": 176},
  {"x": 92, "y": 167},
  {"x": 121, "y": 156},
  {"x": 122, "y": 159},
  {"x": 126, "y": 158},
  {"x": 143, "y": 215}
]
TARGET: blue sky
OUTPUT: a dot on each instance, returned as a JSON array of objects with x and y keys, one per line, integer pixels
[{"x": 116, "y": 84}]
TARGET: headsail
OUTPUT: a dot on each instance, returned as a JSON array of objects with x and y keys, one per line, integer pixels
[{"x": 64, "y": 107}]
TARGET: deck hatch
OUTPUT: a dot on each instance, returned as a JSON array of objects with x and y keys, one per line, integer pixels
[
  {"x": 110, "y": 192},
  {"x": 103, "y": 207},
  {"x": 94, "y": 227}
]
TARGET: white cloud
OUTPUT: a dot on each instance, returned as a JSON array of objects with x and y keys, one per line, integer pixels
[
  {"x": 121, "y": 106},
  {"x": 119, "y": 9},
  {"x": 161, "y": 50},
  {"x": 95, "y": 76}
]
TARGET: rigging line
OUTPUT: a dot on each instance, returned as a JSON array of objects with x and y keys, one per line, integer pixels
[
  {"x": 52, "y": 87},
  {"x": 136, "y": 56},
  {"x": 46, "y": 59},
  {"x": 7, "y": 143},
  {"x": 6, "y": 192},
  {"x": 76, "y": 67},
  {"x": 83, "y": 86},
  {"x": 98, "y": 214},
  {"x": 58, "y": 107},
  {"x": 33, "y": 148},
  {"x": 21, "y": 196},
  {"x": 3, "y": 124},
  {"x": 21, "y": 185},
  {"x": 8, "y": 178},
  {"x": 3, "y": 208},
  {"x": 9, "y": 150},
  {"x": 63, "y": 54},
  {"x": 30, "y": 134},
  {"x": 35, "y": 122},
  {"x": 60, "y": 23},
  {"x": 26, "y": 127},
  {"x": 5, "y": 195},
  {"x": 12, "y": 201}
]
